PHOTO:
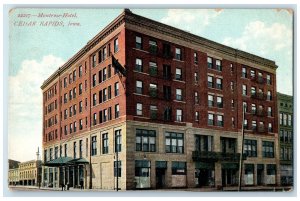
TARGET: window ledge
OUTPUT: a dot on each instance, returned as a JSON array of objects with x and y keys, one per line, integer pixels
[
  {"x": 140, "y": 72},
  {"x": 141, "y": 95},
  {"x": 179, "y": 81},
  {"x": 140, "y": 50},
  {"x": 178, "y": 101},
  {"x": 178, "y": 60}
]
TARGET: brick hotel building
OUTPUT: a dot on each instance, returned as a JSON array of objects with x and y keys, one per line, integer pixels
[{"x": 166, "y": 113}]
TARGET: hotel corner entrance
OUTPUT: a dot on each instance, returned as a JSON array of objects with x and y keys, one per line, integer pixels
[
  {"x": 160, "y": 172},
  {"x": 205, "y": 174}
]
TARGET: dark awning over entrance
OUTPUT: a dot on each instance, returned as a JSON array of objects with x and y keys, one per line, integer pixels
[
  {"x": 161, "y": 164},
  {"x": 63, "y": 161},
  {"x": 230, "y": 166},
  {"x": 203, "y": 165}
]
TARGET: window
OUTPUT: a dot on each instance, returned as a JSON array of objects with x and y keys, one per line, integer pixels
[
  {"x": 210, "y": 119},
  {"x": 80, "y": 88},
  {"x": 270, "y": 128},
  {"x": 74, "y": 109},
  {"x": 74, "y": 75},
  {"x": 167, "y": 72},
  {"x": 253, "y": 91},
  {"x": 139, "y": 87},
  {"x": 55, "y": 152},
  {"x": 196, "y": 78},
  {"x": 153, "y": 90},
  {"x": 178, "y": 168},
  {"x": 289, "y": 120},
  {"x": 118, "y": 141},
  {"x": 152, "y": 68},
  {"x": 219, "y": 83},
  {"x": 219, "y": 102},
  {"x": 250, "y": 148},
  {"x": 269, "y": 95},
  {"x": 269, "y": 111},
  {"x": 284, "y": 119},
  {"x": 95, "y": 119},
  {"x": 178, "y": 75},
  {"x": 71, "y": 127},
  {"x": 209, "y": 62},
  {"x": 80, "y": 71},
  {"x": 220, "y": 121},
  {"x": 245, "y": 124},
  {"x": 109, "y": 113},
  {"x": 178, "y": 55},
  {"x": 269, "y": 79},
  {"x": 70, "y": 94},
  {"x": 268, "y": 149},
  {"x": 174, "y": 142},
  {"x": 142, "y": 168},
  {"x": 253, "y": 108},
  {"x": 179, "y": 115},
  {"x": 116, "y": 88},
  {"x": 139, "y": 109},
  {"x": 232, "y": 122},
  {"x": 196, "y": 98},
  {"x": 94, "y": 99},
  {"x": 74, "y": 150},
  {"x": 167, "y": 114},
  {"x": 104, "y": 97},
  {"x": 108, "y": 71},
  {"x": 152, "y": 47},
  {"x": 252, "y": 73},
  {"x": 254, "y": 126},
  {"x": 105, "y": 115},
  {"x": 244, "y": 72},
  {"x": 80, "y": 124},
  {"x": 105, "y": 143},
  {"x": 100, "y": 76},
  {"x": 145, "y": 140},
  {"x": 138, "y": 65},
  {"x": 66, "y": 130},
  {"x": 80, "y": 148},
  {"x": 232, "y": 86},
  {"x": 195, "y": 58},
  {"x": 232, "y": 103},
  {"x": 116, "y": 45},
  {"x": 210, "y": 100},
  {"x": 203, "y": 143},
  {"x": 167, "y": 92},
  {"x": 281, "y": 118},
  {"x": 94, "y": 80},
  {"x": 94, "y": 60},
  {"x": 179, "y": 94},
  {"x": 104, "y": 74},
  {"x": 104, "y": 53},
  {"x": 218, "y": 65},
  {"x": 117, "y": 111},
  {"x": 94, "y": 145},
  {"x": 109, "y": 92},
  {"x": 117, "y": 168},
  {"x": 231, "y": 68},
  {"x": 65, "y": 82},
  {"x": 244, "y": 90},
  {"x": 210, "y": 82},
  {"x": 70, "y": 78},
  {"x": 80, "y": 106},
  {"x": 196, "y": 116},
  {"x": 138, "y": 42},
  {"x": 153, "y": 112}
]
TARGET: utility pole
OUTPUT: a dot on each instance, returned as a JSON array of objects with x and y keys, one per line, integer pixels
[
  {"x": 38, "y": 164},
  {"x": 242, "y": 151},
  {"x": 117, "y": 160}
]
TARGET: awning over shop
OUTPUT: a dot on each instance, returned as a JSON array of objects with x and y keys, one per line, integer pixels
[
  {"x": 230, "y": 166},
  {"x": 161, "y": 164},
  {"x": 203, "y": 165},
  {"x": 61, "y": 161}
]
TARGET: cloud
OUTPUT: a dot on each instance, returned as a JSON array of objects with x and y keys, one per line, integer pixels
[
  {"x": 273, "y": 41},
  {"x": 193, "y": 20},
  {"x": 259, "y": 37},
  {"x": 25, "y": 106}
]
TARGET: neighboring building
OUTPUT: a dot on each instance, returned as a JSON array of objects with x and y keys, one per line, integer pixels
[
  {"x": 28, "y": 172},
  {"x": 13, "y": 164},
  {"x": 285, "y": 110},
  {"x": 173, "y": 118},
  {"x": 13, "y": 176}
]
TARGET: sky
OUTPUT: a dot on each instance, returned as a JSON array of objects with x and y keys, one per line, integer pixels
[{"x": 35, "y": 52}]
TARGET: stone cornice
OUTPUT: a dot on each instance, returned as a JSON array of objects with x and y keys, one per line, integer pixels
[
  {"x": 284, "y": 97},
  {"x": 152, "y": 25}
]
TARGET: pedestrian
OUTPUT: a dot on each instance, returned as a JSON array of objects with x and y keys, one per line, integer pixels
[{"x": 62, "y": 187}]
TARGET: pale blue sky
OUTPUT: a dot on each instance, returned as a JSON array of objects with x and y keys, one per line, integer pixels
[{"x": 36, "y": 52}]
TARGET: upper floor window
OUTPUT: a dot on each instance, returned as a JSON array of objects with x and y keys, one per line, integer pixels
[
  {"x": 269, "y": 95},
  {"x": 65, "y": 82},
  {"x": 178, "y": 55},
  {"x": 179, "y": 115},
  {"x": 178, "y": 75},
  {"x": 210, "y": 119},
  {"x": 94, "y": 146},
  {"x": 195, "y": 58},
  {"x": 219, "y": 84},
  {"x": 220, "y": 121},
  {"x": 138, "y": 42},
  {"x": 94, "y": 58},
  {"x": 116, "y": 88},
  {"x": 210, "y": 82},
  {"x": 218, "y": 65},
  {"x": 250, "y": 148},
  {"x": 153, "y": 68},
  {"x": 116, "y": 45},
  {"x": 197, "y": 116},
  {"x": 268, "y": 149},
  {"x": 179, "y": 94},
  {"x": 269, "y": 111},
  {"x": 210, "y": 100},
  {"x": 252, "y": 73},
  {"x": 152, "y": 46},
  {"x": 80, "y": 71},
  {"x": 117, "y": 111},
  {"x": 139, "y": 109},
  {"x": 153, "y": 112},
  {"x": 174, "y": 142},
  {"x": 118, "y": 141},
  {"x": 244, "y": 90},
  {"x": 244, "y": 72},
  {"x": 153, "y": 90},
  {"x": 196, "y": 77},
  {"x": 220, "y": 102},
  {"x": 139, "y": 87},
  {"x": 145, "y": 140},
  {"x": 269, "y": 79},
  {"x": 104, "y": 53},
  {"x": 138, "y": 65},
  {"x": 289, "y": 120},
  {"x": 209, "y": 62}
]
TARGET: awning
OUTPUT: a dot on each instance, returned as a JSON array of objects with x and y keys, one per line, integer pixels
[
  {"x": 78, "y": 161},
  {"x": 203, "y": 165},
  {"x": 61, "y": 161},
  {"x": 230, "y": 166},
  {"x": 161, "y": 164}
]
